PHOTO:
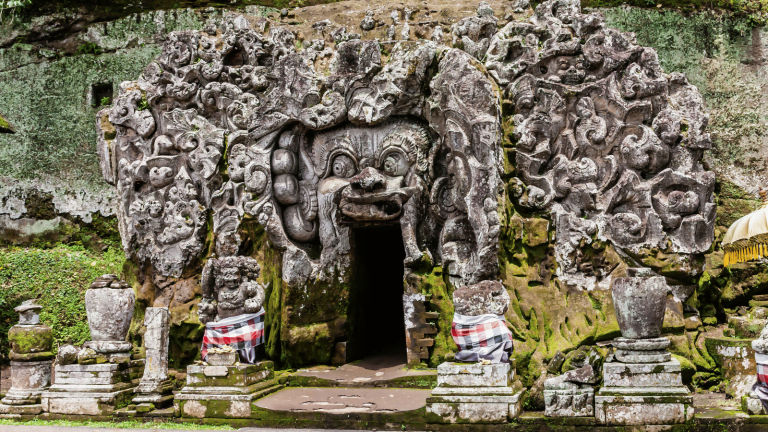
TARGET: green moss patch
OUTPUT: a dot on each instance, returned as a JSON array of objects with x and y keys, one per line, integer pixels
[{"x": 58, "y": 279}]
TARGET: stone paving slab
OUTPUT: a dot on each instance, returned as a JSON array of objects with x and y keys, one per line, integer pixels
[
  {"x": 369, "y": 371},
  {"x": 345, "y": 400}
]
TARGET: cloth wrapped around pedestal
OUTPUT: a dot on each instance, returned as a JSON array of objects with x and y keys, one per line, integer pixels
[
  {"x": 484, "y": 337},
  {"x": 244, "y": 333},
  {"x": 479, "y": 328},
  {"x": 760, "y": 388}
]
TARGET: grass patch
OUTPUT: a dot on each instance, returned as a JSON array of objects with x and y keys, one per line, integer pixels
[
  {"x": 133, "y": 424},
  {"x": 58, "y": 279}
]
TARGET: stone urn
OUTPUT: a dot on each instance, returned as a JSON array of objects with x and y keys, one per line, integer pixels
[
  {"x": 109, "y": 305},
  {"x": 640, "y": 301}
]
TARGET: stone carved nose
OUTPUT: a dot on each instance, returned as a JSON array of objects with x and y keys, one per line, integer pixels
[{"x": 369, "y": 179}]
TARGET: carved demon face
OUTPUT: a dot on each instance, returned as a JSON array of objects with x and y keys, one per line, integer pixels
[{"x": 379, "y": 191}]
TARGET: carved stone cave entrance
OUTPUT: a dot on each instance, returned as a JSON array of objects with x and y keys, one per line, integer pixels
[{"x": 376, "y": 316}]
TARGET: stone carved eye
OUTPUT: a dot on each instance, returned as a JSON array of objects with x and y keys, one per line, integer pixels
[
  {"x": 394, "y": 165},
  {"x": 343, "y": 166}
]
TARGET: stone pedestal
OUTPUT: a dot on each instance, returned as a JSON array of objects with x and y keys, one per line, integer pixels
[
  {"x": 31, "y": 355},
  {"x": 28, "y": 381},
  {"x": 225, "y": 391},
  {"x": 474, "y": 393},
  {"x": 94, "y": 389},
  {"x": 155, "y": 389},
  {"x": 643, "y": 394}
]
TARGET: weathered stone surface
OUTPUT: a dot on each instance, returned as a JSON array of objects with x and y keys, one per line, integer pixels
[
  {"x": 487, "y": 297},
  {"x": 67, "y": 354},
  {"x": 577, "y": 402},
  {"x": 227, "y": 391},
  {"x": 28, "y": 380},
  {"x": 109, "y": 310},
  {"x": 761, "y": 344},
  {"x": 154, "y": 383},
  {"x": 582, "y": 175},
  {"x": 640, "y": 303},
  {"x": 474, "y": 393},
  {"x": 636, "y": 356},
  {"x": 475, "y": 375},
  {"x": 93, "y": 389},
  {"x": 649, "y": 406},
  {"x": 31, "y": 344},
  {"x": 651, "y": 344},
  {"x": 642, "y": 375}
]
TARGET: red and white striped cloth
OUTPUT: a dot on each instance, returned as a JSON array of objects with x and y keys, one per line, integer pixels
[
  {"x": 243, "y": 333},
  {"x": 484, "y": 337}
]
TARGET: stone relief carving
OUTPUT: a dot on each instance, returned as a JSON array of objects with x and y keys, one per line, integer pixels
[
  {"x": 230, "y": 288},
  {"x": 307, "y": 151},
  {"x": 606, "y": 141},
  {"x": 240, "y": 122}
]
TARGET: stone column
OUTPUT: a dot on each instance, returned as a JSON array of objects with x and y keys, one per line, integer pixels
[
  {"x": 155, "y": 389},
  {"x": 31, "y": 355}
]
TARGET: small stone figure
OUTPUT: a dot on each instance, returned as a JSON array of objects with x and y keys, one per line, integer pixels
[
  {"x": 368, "y": 22},
  {"x": 230, "y": 288},
  {"x": 232, "y": 306},
  {"x": 31, "y": 355}
]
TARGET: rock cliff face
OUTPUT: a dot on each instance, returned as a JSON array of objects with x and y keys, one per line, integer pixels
[{"x": 539, "y": 148}]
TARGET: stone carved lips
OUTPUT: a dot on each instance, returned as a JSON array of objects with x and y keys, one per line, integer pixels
[{"x": 375, "y": 196}]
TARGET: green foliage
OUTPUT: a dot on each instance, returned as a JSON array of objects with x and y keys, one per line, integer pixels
[
  {"x": 89, "y": 48},
  {"x": 105, "y": 101},
  {"x": 143, "y": 104},
  {"x": 58, "y": 279}
]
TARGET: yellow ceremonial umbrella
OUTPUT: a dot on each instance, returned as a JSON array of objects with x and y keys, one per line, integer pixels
[{"x": 747, "y": 238}]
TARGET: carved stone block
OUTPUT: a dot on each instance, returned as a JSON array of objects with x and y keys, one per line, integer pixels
[{"x": 474, "y": 393}]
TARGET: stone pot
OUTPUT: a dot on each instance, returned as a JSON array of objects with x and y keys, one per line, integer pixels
[
  {"x": 109, "y": 312},
  {"x": 640, "y": 303}
]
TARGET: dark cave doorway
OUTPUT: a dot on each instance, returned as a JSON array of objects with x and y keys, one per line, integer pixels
[{"x": 376, "y": 297}]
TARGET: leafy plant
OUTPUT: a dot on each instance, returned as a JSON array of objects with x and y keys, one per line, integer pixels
[
  {"x": 105, "y": 101},
  {"x": 12, "y": 5}
]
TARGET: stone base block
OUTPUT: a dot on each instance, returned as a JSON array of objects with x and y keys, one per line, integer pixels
[
  {"x": 752, "y": 406},
  {"x": 28, "y": 381},
  {"x": 203, "y": 404},
  {"x": 473, "y": 405},
  {"x": 666, "y": 374},
  {"x": 227, "y": 379},
  {"x": 569, "y": 403},
  {"x": 452, "y": 374},
  {"x": 85, "y": 402},
  {"x": 643, "y": 406},
  {"x": 636, "y": 356},
  {"x": 14, "y": 410}
]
